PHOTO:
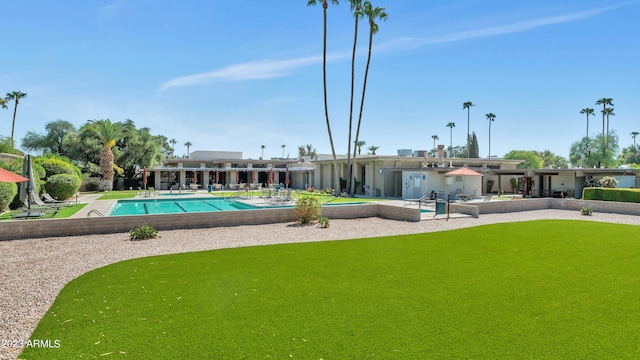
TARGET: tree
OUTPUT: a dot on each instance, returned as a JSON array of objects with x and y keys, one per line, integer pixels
[
  {"x": 283, "y": 146},
  {"x": 591, "y": 152},
  {"x": 491, "y": 117},
  {"x": 15, "y": 96},
  {"x": 633, "y": 135},
  {"x": 138, "y": 149},
  {"x": 51, "y": 142},
  {"x": 325, "y": 5},
  {"x": 108, "y": 133},
  {"x": 587, "y": 111},
  {"x": 630, "y": 155},
  {"x": 467, "y": 105},
  {"x": 3, "y": 104},
  {"x": 451, "y": 125},
  {"x": 356, "y": 6},
  {"x": 372, "y": 13},
  {"x": 551, "y": 160},
  {"x": 530, "y": 158},
  {"x": 434, "y": 137},
  {"x": 173, "y": 143},
  {"x": 307, "y": 150},
  {"x": 188, "y": 144},
  {"x": 262, "y": 148},
  {"x": 604, "y": 102},
  {"x": 373, "y": 149},
  {"x": 475, "y": 152},
  {"x": 609, "y": 112},
  {"x": 359, "y": 145}
]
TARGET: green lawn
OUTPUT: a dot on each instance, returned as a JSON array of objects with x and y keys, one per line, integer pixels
[{"x": 542, "y": 289}]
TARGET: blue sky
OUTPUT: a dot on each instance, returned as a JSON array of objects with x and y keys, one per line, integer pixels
[{"x": 236, "y": 75}]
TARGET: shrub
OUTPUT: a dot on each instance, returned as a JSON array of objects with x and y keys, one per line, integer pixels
[
  {"x": 623, "y": 195},
  {"x": 91, "y": 185},
  {"x": 585, "y": 210},
  {"x": 490, "y": 185},
  {"x": 514, "y": 185},
  {"x": 62, "y": 186},
  {"x": 307, "y": 209},
  {"x": 54, "y": 165},
  {"x": 604, "y": 182},
  {"x": 143, "y": 232},
  {"x": 323, "y": 222},
  {"x": 8, "y": 192}
]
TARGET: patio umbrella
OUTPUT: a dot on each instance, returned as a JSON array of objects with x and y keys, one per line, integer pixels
[
  {"x": 8, "y": 176},
  {"x": 464, "y": 172},
  {"x": 217, "y": 177},
  {"x": 195, "y": 177},
  {"x": 272, "y": 176},
  {"x": 286, "y": 178},
  {"x": 144, "y": 177},
  {"x": 255, "y": 176},
  {"x": 27, "y": 187}
]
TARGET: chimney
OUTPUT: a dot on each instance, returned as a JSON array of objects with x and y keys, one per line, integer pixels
[{"x": 440, "y": 155}]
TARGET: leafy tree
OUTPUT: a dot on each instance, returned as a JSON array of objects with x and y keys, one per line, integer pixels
[
  {"x": 459, "y": 151},
  {"x": 138, "y": 149},
  {"x": 630, "y": 155},
  {"x": 474, "y": 153},
  {"x": 551, "y": 160},
  {"x": 593, "y": 152},
  {"x": 6, "y": 146},
  {"x": 325, "y": 5},
  {"x": 467, "y": 105},
  {"x": 15, "y": 96},
  {"x": 530, "y": 157},
  {"x": 307, "y": 150},
  {"x": 51, "y": 142},
  {"x": 491, "y": 117},
  {"x": 587, "y": 111}
]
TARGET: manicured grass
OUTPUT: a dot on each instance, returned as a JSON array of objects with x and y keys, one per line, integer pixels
[{"x": 543, "y": 289}]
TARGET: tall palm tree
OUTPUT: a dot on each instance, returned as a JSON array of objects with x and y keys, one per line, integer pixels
[
  {"x": 325, "y": 5},
  {"x": 373, "y": 149},
  {"x": 3, "y": 103},
  {"x": 604, "y": 102},
  {"x": 467, "y": 105},
  {"x": 15, "y": 96},
  {"x": 359, "y": 145},
  {"x": 633, "y": 135},
  {"x": 356, "y": 6},
  {"x": 108, "y": 133},
  {"x": 188, "y": 144},
  {"x": 262, "y": 147},
  {"x": 434, "y": 137},
  {"x": 283, "y": 146},
  {"x": 451, "y": 125},
  {"x": 491, "y": 117},
  {"x": 609, "y": 112},
  {"x": 173, "y": 142},
  {"x": 588, "y": 111},
  {"x": 372, "y": 14}
]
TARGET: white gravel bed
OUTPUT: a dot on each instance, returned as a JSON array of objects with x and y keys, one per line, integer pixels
[{"x": 33, "y": 271}]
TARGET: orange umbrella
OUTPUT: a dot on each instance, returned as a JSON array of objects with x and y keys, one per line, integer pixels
[
  {"x": 144, "y": 177},
  {"x": 8, "y": 176},
  {"x": 286, "y": 178},
  {"x": 217, "y": 177},
  {"x": 463, "y": 171}
]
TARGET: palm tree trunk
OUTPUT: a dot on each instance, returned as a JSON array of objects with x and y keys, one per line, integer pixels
[
  {"x": 468, "y": 141},
  {"x": 489, "y": 157},
  {"x": 336, "y": 179},
  {"x": 587, "y": 126},
  {"x": 353, "y": 79},
  {"x": 13, "y": 123}
]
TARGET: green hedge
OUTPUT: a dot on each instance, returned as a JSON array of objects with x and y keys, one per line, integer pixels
[
  {"x": 608, "y": 194},
  {"x": 7, "y": 192},
  {"x": 62, "y": 186},
  {"x": 57, "y": 165}
]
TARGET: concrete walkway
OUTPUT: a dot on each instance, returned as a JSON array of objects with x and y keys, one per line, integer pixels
[{"x": 103, "y": 206}]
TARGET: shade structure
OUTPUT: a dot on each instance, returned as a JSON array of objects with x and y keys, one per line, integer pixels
[
  {"x": 27, "y": 187},
  {"x": 286, "y": 178},
  {"x": 255, "y": 176},
  {"x": 217, "y": 177},
  {"x": 8, "y": 176},
  {"x": 195, "y": 177},
  {"x": 272, "y": 176},
  {"x": 464, "y": 172}
]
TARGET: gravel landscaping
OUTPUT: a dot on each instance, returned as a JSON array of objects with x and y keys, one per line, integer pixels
[{"x": 34, "y": 271}]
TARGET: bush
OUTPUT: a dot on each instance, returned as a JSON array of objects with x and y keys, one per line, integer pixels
[
  {"x": 92, "y": 185},
  {"x": 8, "y": 192},
  {"x": 307, "y": 209},
  {"x": 585, "y": 210},
  {"x": 143, "y": 232},
  {"x": 490, "y": 183},
  {"x": 323, "y": 222},
  {"x": 622, "y": 195},
  {"x": 604, "y": 182},
  {"x": 54, "y": 165},
  {"x": 62, "y": 186}
]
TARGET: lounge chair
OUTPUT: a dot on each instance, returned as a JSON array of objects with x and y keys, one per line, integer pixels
[
  {"x": 487, "y": 197},
  {"x": 34, "y": 213},
  {"x": 49, "y": 200}
]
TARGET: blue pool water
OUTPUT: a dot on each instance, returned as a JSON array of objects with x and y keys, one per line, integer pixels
[{"x": 175, "y": 206}]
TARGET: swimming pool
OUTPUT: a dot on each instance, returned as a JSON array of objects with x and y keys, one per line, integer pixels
[{"x": 175, "y": 206}]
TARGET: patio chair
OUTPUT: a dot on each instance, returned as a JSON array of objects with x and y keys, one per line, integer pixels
[
  {"x": 487, "y": 197},
  {"x": 34, "y": 213},
  {"x": 50, "y": 200}
]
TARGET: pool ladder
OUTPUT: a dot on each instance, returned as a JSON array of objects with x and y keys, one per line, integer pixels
[{"x": 94, "y": 211}]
